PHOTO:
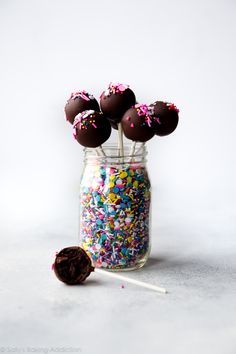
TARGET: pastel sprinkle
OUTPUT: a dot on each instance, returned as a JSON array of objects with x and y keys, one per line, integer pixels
[
  {"x": 83, "y": 120},
  {"x": 115, "y": 88},
  {"x": 114, "y": 215},
  {"x": 82, "y": 94},
  {"x": 123, "y": 174}
]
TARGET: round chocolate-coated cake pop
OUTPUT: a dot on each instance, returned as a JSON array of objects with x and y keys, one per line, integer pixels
[
  {"x": 166, "y": 117},
  {"x": 91, "y": 128},
  {"x": 79, "y": 102},
  {"x": 72, "y": 265},
  {"x": 137, "y": 123},
  {"x": 115, "y": 101}
]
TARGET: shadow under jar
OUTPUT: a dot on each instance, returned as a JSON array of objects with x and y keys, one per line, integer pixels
[{"x": 115, "y": 208}]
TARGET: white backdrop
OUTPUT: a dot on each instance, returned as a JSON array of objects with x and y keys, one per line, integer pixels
[{"x": 181, "y": 51}]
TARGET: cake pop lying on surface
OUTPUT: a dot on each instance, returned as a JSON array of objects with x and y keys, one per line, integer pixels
[
  {"x": 115, "y": 100},
  {"x": 72, "y": 265},
  {"x": 91, "y": 129},
  {"x": 167, "y": 117},
  {"x": 137, "y": 123},
  {"x": 78, "y": 102}
]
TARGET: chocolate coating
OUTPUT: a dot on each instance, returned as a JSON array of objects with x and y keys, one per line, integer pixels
[
  {"x": 167, "y": 117},
  {"x": 79, "y": 102},
  {"x": 72, "y": 265},
  {"x": 91, "y": 129},
  {"x": 137, "y": 124},
  {"x": 116, "y": 100}
]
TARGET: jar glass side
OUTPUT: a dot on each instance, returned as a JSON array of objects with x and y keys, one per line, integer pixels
[{"x": 115, "y": 197}]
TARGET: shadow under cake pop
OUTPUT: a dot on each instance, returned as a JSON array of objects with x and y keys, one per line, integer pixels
[
  {"x": 137, "y": 123},
  {"x": 166, "y": 117},
  {"x": 115, "y": 100},
  {"x": 78, "y": 102},
  {"x": 91, "y": 128}
]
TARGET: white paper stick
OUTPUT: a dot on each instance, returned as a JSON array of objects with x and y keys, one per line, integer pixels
[
  {"x": 130, "y": 280},
  {"x": 97, "y": 152},
  {"x": 140, "y": 148},
  {"x": 132, "y": 150},
  {"x": 120, "y": 140},
  {"x": 101, "y": 151}
]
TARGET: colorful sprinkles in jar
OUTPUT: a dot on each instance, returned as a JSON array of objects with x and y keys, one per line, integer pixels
[{"x": 114, "y": 216}]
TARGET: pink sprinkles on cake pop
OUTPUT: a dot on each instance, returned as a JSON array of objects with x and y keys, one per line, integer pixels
[
  {"x": 83, "y": 120},
  {"x": 146, "y": 111},
  {"x": 172, "y": 106},
  {"x": 82, "y": 94},
  {"x": 115, "y": 88}
]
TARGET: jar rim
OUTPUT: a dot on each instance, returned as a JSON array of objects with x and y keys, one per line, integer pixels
[{"x": 133, "y": 153}]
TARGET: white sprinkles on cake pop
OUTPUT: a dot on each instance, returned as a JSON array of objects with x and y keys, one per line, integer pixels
[
  {"x": 83, "y": 120},
  {"x": 82, "y": 94},
  {"x": 115, "y": 88}
]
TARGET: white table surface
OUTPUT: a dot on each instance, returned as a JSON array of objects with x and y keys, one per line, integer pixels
[
  {"x": 193, "y": 259},
  {"x": 179, "y": 51}
]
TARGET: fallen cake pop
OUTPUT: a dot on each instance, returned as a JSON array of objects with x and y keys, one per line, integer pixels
[
  {"x": 72, "y": 265},
  {"x": 115, "y": 100},
  {"x": 78, "y": 102},
  {"x": 91, "y": 128},
  {"x": 137, "y": 123},
  {"x": 166, "y": 117}
]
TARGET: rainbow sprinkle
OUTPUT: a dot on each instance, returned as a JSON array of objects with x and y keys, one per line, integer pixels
[
  {"x": 114, "y": 215},
  {"x": 83, "y": 120}
]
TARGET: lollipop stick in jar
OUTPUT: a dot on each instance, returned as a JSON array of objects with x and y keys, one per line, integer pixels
[
  {"x": 120, "y": 140},
  {"x": 140, "y": 148},
  {"x": 132, "y": 150},
  {"x": 101, "y": 151}
]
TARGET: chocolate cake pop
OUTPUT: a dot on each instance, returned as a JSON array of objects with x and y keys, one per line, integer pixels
[
  {"x": 115, "y": 100},
  {"x": 72, "y": 265},
  {"x": 78, "y": 102},
  {"x": 91, "y": 129},
  {"x": 165, "y": 117},
  {"x": 137, "y": 123}
]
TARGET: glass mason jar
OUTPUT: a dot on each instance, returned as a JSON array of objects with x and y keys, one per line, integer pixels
[{"x": 115, "y": 208}]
